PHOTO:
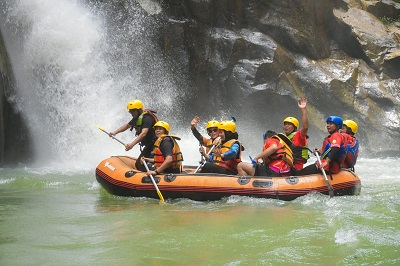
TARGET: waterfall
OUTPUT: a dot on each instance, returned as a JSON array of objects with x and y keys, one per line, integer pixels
[{"x": 76, "y": 65}]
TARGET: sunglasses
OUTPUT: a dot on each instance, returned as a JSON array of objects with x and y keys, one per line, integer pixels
[{"x": 212, "y": 130}]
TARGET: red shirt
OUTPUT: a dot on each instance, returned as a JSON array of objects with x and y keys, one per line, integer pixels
[{"x": 299, "y": 140}]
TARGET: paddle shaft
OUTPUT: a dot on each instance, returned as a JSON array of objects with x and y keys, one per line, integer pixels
[
  {"x": 154, "y": 182},
  {"x": 326, "y": 178},
  {"x": 203, "y": 163},
  {"x": 111, "y": 136}
]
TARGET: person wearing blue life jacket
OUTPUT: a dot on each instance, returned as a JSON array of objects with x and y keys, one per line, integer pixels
[
  {"x": 333, "y": 151},
  {"x": 227, "y": 154},
  {"x": 143, "y": 121},
  {"x": 349, "y": 130}
]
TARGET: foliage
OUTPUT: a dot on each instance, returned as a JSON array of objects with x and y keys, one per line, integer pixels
[{"x": 389, "y": 20}]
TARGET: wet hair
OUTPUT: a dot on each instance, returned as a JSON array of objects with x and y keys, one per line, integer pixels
[
  {"x": 269, "y": 134},
  {"x": 229, "y": 135},
  {"x": 348, "y": 130}
]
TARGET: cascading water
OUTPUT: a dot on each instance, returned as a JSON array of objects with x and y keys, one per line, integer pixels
[{"x": 77, "y": 65}]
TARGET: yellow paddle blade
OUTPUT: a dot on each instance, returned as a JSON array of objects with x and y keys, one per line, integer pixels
[
  {"x": 160, "y": 196},
  {"x": 99, "y": 127}
]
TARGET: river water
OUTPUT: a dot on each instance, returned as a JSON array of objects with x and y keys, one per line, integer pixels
[
  {"x": 66, "y": 218},
  {"x": 76, "y": 65}
]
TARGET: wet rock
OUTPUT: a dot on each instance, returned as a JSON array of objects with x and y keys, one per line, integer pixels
[{"x": 369, "y": 39}]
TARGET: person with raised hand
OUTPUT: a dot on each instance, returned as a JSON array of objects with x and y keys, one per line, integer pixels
[
  {"x": 298, "y": 136},
  {"x": 227, "y": 155},
  {"x": 212, "y": 131}
]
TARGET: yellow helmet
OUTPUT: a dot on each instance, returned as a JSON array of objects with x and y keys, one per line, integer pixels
[
  {"x": 227, "y": 125},
  {"x": 212, "y": 123},
  {"x": 163, "y": 125},
  {"x": 351, "y": 124},
  {"x": 292, "y": 120},
  {"x": 135, "y": 104}
]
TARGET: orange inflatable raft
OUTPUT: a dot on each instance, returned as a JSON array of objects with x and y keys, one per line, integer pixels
[{"x": 118, "y": 176}]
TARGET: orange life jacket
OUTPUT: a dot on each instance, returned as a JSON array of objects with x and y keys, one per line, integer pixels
[
  {"x": 177, "y": 157},
  {"x": 230, "y": 165},
  {"x": 208, "y": 144}
]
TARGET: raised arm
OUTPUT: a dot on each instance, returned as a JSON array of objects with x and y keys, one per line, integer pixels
[{"x": 302, "y": 103}]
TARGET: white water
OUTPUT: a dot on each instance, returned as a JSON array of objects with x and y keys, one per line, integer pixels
[{"x": 72, "y": 75}]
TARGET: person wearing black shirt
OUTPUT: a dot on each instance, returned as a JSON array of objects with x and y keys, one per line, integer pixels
[
  {"x": 167, "y": 155},
  {"x": 143, "y": 122}
]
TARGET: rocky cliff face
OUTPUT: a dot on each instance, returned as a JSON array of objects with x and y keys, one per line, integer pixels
[
  {"x": 261, "y": 56},
  {"x": 14, "y": 136},
  {"x": 255, "y": 58}
]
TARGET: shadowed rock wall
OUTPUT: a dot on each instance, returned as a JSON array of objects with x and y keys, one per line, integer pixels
[{"x": 15, "y": 144}]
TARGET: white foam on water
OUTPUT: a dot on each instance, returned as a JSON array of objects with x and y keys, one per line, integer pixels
[
  {"x": 6, "y": 181},
  {"x": 343, "y": 236}
]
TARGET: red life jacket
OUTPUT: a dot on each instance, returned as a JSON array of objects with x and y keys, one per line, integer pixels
[
  {"x": 283, "y": 153},
  {"x": 337, "y": 162}
]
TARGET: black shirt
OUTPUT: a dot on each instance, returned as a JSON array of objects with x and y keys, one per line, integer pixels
[
  {"x": 148, "y": 121},
  {"x": 166, "y": 147}
]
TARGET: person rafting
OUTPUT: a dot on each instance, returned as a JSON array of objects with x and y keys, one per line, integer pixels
[
  {"x": 349, "y": 130},
  {"x": 167, "y": 153},
  {"x": 212, "y": 131},
  {"x": 298, "y": 136},
  {"x": 333, "y": 151},
  {"x": 227, "y": 155},
  {"x": 277, "y": 158},
  {"x": 143, "y": 121}
]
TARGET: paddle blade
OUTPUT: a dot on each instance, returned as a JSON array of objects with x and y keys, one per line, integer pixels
[
  {"x": 101, "y": 128},
  {"x": 160, "y": 196}
]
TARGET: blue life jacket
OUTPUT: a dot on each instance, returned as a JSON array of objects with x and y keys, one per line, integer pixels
[{"x": 352, "y": 154}]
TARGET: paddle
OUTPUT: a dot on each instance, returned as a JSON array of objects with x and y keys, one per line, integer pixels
[
  {"x": 102, "y": 129},
  {"x": 326, "y": 178},
  {"x": 217, "y": 139},
  {"x": 154, "y": 182}
]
